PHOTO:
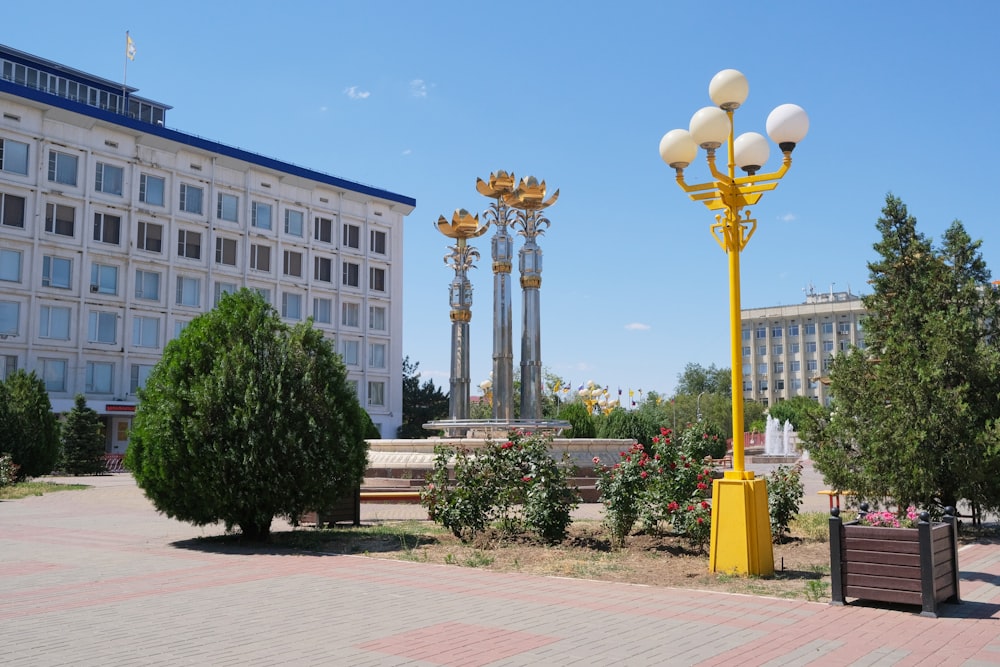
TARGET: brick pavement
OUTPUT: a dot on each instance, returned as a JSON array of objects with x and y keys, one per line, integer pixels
[{"x": 99, "y": 578}]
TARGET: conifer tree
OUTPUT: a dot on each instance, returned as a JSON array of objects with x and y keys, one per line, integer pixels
[
  {"x": 29, "y": 431},
  {"x": 914, "y": 413},
  {"x": 83, "y": 440}
]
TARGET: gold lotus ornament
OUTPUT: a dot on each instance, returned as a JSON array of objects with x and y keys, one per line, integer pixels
[
  {"x": 500, "y": 184},
  {"x": 530, "y": 195},
  {"x": 463, "y": 225}
]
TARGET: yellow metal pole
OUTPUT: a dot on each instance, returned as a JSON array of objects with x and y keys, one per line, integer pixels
[{"x": 733, "y": 241}]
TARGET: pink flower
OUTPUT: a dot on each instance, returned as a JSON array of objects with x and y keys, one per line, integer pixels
[
  {"x": 597, "y": 461},
  {"x": 643, "y": 474},
  {"x": 526, "y": 478}
]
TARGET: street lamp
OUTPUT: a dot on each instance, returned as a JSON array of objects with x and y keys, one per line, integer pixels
[
  {"x": 741, "y": 536},
  {"x": 698, "y": 406}
]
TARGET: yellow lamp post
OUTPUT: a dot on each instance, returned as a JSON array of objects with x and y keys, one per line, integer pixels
[{"x": 741, "y": 533}]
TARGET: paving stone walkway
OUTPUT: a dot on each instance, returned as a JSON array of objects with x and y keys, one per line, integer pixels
[{"x": 97, "y": 577}]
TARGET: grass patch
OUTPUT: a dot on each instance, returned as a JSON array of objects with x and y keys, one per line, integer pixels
[
  {"x": 812, "y": 526},
  {"x": 25, "y": 489}
]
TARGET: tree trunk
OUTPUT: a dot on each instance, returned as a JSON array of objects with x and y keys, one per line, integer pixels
[{"x": 256, "y": 530}]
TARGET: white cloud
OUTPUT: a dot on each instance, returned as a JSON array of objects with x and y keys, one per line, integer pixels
[
  {"x": 418, "y": 88},
  {"x": 637, "y": 326},
  {"x": 788, "y": 217},
  {"x": 355, "y": 94},
  {"x": 324, "y": 109},
  {"x": 407, "y": 152}
]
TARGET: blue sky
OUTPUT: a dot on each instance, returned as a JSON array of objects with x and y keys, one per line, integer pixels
[{"x": 423, "y": 98}]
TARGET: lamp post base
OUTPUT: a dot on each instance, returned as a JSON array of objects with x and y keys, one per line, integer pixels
[{"x": 741, "y": 526}]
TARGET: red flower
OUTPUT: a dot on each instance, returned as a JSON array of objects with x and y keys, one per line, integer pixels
[
  {"x": 690, "y": 508},
  {"x": 673, "y": 465},
  {"x": 643, "y": 474},
  {"x": 700, "y": 520},
  {"x": 672, "y": 507},
  {"x": 656, "y": 456},
  {"x": 507, "y": 445},
  {"x": 656, "y": 439},
  {"x": 702, "y": 486},
  {"x": 526, "y": 478},
  {"x": 700, "y": 477},
  {"x": 687, "y": 465},
  {"x": 704, "y": 505}
]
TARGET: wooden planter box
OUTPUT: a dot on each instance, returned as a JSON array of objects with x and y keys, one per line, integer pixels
[
  {"x": 917, "y": 566},
  {"x": 346, "y": 510}
]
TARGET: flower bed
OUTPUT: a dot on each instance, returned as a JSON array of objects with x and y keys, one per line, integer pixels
[{"x": 917, "y": 566}]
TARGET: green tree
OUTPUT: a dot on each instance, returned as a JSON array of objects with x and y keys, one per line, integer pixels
[
  {"x": 245, "y": 419},
  {"x": 582, "y": 421},
  {"x": 30, "y": 429},
  {"x": 83, "y": 440},
  {"x": 422, "y": 403},
  {"x": 696, "y": 379},
  {"x": 914, "y": 414}
]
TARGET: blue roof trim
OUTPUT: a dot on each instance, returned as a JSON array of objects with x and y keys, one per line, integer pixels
[{"x": 198, "y": 142}]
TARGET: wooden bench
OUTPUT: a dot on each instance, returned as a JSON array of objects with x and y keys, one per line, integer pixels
[
  {"x": 834, "y": 496},
  {"x": 724, "y": 462}
]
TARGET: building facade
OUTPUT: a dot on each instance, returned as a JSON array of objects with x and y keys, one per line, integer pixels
[
  {"x": 787, "y": 350},
  {"x": 116, "y": 231}
]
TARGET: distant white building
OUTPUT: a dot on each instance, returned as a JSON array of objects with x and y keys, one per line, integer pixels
[
  {"x": 787, "y": 350},
  {"x": 116, "y": 231}
]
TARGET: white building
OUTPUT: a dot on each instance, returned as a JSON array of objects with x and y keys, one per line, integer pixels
[
  {"x": 787, "y": 350},
  {"x": 116, "y": 231}
]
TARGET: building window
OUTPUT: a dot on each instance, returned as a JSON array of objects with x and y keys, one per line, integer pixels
[
  {"x": 11, "y": 210},
  {"x": 827, "y": 328},
  {"x": 762, "y": 350},
  {"x": 100, "y": 377},
  {"x": 351, "y": 274},
  {"x": 810, "y": 365},
  {"x": 107, "y": 228},
  {"x": 225, "y": 251},
  {"x": 350, "y": 314},
  {"x": 294, "y": 222},
  {"x": 761, "y": 369},
  {"x": 260, "y": 258},
  {"x": 844, "y": 345},
  {"x": 292, "y": 263},
  {"x": 14, "y": 156},
  {"x": 291, "y": 306},
  {"x": 746, "y": 334},
  {"x": 793, "y": 329},
  {"x": 844, "y": 328},
  {"x": 228, "y": 207},
  {"x": 179, "y": 326},
  {"x": 146, "y": 332},
  {"x": 376, "y": 355},
  {"x": 54, "y": 374},
  {"x": 376, "y": 393},
  {"x": 827, "y": 362},
  {"x": 53, "y": 322},
  {"x": 777, "y": 350},
  {"x": 795, "y": 366},
  {"x": 810, "y": 329},
  {"x": 352, "y": 236},
  {"x": 761, "y": 332},
  {"x": 323, "y": 269},
  {"x": 779, "y": 385},
  {"x": 60, "y": 219},
  {"x": 746, "y": 350},
  {"x": 323, "y": 311},
  {"x": 108, "y": 178},
  {"x": 10, "y": 318},
  {"x": 188, "y": 244},
  {"x": 376, "y": 318},
  {"x": 151, "y": 189},
  {"x": 376, "y": 279},
  {"x": 323, "y": 230},
  {"x": 149, "y": 237},
  {"x": 793, "y": 348},
  {"x": 763, "y": 385},
  {"x": 810, "y": 346},
  {"x": 138, "y": 376},
  {"x": 264, "y": 292},
  {"x": 62, "y": 168},
  {"x": 147, "y": 285},
  {"x": 103, "y": 278},
  {"x": 191, "y": 198},
  {"x": 222, "y": 288},
  {"x": 776, "y": 332},
  {"x": 779, "y": 367},
  {"x": 796, "y": 384},
  {"x": 188, "y": 291},
  {"x": 351, "y": 348},
  {"x": 8, "y": 365},
  {"x": 102, "y": 327},
  {"x": 10, "y": 265},
  {"x": 376, "y": 242},
  {"x": 828, "y": 346},
  {"x": 57, "y": 272},
  {"x": 260, "y": 215}
]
